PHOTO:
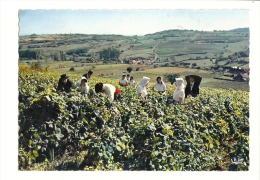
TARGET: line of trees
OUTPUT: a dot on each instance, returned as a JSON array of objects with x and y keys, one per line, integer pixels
[
  {"x": 31, "y": 54},
  {"x": 77, "y": 51},
  {"x": 109, "y": 54},
  {"x": 58, "y": 56}
]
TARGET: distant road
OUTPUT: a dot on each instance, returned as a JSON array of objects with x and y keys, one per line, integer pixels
[{"x": 156, "y": 55}]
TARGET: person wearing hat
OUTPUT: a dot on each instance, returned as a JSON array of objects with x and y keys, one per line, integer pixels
[
  {"x": 159, "y": 85},
  {"x": 83, "y": 87},
  {"x": 179, "y": 93},
  {"x": 64, "y": 84},
  {"x": 141, "y": 88},
  {"x": 122, "y": 81},
  {"x": 192, "y": 87},
  {"x": 111, "y": 91}
]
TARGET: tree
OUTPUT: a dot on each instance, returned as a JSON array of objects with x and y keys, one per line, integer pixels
[
  {"x": 171, "y": 77},
  {"x": 166, "y": 64},
  {"x": 39, "y": 54},
  {"x": 77, "y": 51},
  {"x": 129, "y": 69},
  {"x": 56, "y": 56},
  {"x": 72, "y": 69},
  {"x": 173, "y": 58},
  {"x": 62, "y": 56},
  {"x": 31, "y": 54},
  {"x": 108, "y": 54},
  {"x": 101, "y": 55},
  {"x": 93, "y": 67}
]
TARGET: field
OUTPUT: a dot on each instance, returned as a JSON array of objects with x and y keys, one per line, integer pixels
[
  {"x": 114, "y": 71},
  {"x": 165, "y": 43},
  {"x": 60, "y": 132}
]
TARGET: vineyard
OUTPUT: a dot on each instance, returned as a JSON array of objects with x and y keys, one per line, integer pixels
[{"x": 63, "y": 131}]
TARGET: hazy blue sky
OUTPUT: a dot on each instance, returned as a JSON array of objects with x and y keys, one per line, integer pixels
[{"x": 128, "y": 22}]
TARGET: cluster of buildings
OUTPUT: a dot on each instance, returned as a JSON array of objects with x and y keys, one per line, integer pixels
[{"x": 133, "y": 61}]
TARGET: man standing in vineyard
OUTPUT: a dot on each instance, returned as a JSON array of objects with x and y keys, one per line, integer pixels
[
  {"x": 64, "y": 84},
  {"x": 192, "y": 86},
  {"x": 111, "y": 91},
  {"x": 88, "y": 75}
]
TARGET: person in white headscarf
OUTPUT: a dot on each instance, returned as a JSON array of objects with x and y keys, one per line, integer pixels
[
  {"x": 159, "y": 85},
  {"x": 141, "y": 87},
  {"x": 179, "y": 93}
]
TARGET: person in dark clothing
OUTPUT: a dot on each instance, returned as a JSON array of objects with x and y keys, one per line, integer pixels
[
  {"x": 87, "y": 75},
  {"x": 192, "y": 86},
  {"x": 64, "y": 84}
]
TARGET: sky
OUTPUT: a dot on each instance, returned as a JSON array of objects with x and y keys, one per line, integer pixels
[{"x": 128, "y": 22}]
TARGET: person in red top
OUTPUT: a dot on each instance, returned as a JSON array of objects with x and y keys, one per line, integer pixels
[{"x": 111, "y": 91}]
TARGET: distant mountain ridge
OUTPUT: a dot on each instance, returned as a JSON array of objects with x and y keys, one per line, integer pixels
[{"x": 245, "y": 29}]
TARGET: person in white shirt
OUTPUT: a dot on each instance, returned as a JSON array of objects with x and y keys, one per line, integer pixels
[
  {"x": 141, "y": 88},
  {"x": 87, "y": 76},
  {"x": 179, "y": 93},
  {"x": 159, "y": 85},
  {"x": 83, "y": 87},
  {"x": 131, "y": 82},
  {"x": 128, "y": 77},
  {"x": 122, "y": 81},
  {"x": 111, "y": 91}
]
